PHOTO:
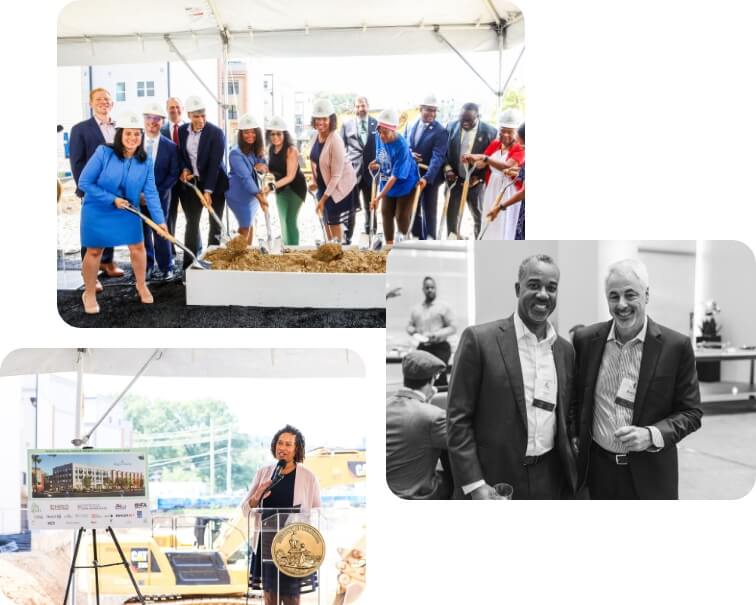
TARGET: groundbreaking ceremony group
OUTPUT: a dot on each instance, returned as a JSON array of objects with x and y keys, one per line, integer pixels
[
  {"x": 133, "y": 173},
  {"x": 529, "y": 415}
]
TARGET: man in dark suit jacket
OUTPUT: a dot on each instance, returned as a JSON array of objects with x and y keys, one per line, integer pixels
[
  {"x": 166, "y": 168},
  {"x": 201, "y": 149},
  {"x": 466, "y": 135},
  {"x": 170, "y": 129},
  {"x": 86, "y": 137},
  {"x": 359, "y": 138},
  {"x": 428, "y": 141},
  {"x": 511, "y": 395},
  {"x": 638, "y": 394}
]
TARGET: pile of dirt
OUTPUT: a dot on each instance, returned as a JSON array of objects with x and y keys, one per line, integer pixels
[
  {"x": 31, "y": 578},
  {"x": 307, "y": 261}
]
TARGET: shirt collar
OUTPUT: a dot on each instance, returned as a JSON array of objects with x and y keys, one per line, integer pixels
[
  {"x": 522, "y": 331},
  {"x": 411, "y": 393},
  {"x": 641, "y": 336}
]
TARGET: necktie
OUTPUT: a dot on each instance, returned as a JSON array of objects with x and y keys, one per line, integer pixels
[
  {"x": 363, "y": 131},
  {"x": 150, "y": 147},
  {"x": 175, "y": 133},
  {"x": 419, "y": 132},
  {"x": 463, "y": 148}
]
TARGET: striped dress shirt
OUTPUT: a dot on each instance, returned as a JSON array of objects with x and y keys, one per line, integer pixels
[{"x": 618, "y": 361}]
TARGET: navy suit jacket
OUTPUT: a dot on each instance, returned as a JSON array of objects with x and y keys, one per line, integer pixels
[
  {"x": 667, "y": 397},
  {"x": 86, "y": 137},
  {"x": 212, "y": 144},
  {"x": 167, "y": 167},
  {"x": 483, "y": 138},
  {"x": 431, "y": 147},
  {"x": 165, "y": 130}
]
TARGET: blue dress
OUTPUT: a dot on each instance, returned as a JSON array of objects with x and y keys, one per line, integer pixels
[
  {"x": 243, "y": 186},
  {"x": 104, "y": 178}
]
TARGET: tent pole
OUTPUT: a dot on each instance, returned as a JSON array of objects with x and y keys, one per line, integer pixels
[
  {"x": 511, "y": 73},
  {"x": 461, "y": 56},
  {"x": 500, "y": 94},
  {"x": 189, "y": 67},
  {"x": 79, "y": 392}
]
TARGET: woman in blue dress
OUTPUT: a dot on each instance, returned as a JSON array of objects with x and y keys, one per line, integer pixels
[
  {"x": 244, "y": 195},
  {"x": 115, "y": 177}
]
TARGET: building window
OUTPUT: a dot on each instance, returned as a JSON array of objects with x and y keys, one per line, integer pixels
[
  {"x": 120, "y": 91},
  {"x": 146, "y": 88},
  {"x": 233, "y": 112},
  {"x": 233, "y": 87}
]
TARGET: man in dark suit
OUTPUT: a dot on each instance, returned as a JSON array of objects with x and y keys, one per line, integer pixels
[
  {"x": 85, "y": 138},
  {"x": 165, "y": 164},
  {"x": 511, "y": 395},
  {"x": 638, "y": 393},
  {"x": 428, "y": 141},
  {"x": 466, "y": 135},
  {"x": 170, "y": 130},
  {"x": 201, "y": 148},
  {"x": 359, "y": 138}
]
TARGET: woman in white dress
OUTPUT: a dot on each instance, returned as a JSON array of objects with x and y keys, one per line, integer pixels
[{"x": 501, "y": 154}]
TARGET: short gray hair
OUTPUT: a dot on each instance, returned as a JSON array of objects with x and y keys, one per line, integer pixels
[
  {"x": 541, "y": 258},
  {"x": 362, "y": 98},
  {"x": 169, "y": 99},
  {"x": 629, "y": 265}
]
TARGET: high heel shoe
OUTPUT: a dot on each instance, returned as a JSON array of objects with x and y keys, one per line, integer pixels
[
  {"x": 90, "y": 309},
  {"x": 146, "y": 299}
]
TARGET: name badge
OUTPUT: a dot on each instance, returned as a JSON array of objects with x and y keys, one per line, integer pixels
[
  {"x": 626, "y": 394},
  {"x": 545, "y": 395}
]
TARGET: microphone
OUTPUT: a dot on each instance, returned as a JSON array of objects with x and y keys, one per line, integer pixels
[{"x": 276, "y": 477}]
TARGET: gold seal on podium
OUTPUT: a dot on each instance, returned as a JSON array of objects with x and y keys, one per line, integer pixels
[{"x": 298, "y": 550}]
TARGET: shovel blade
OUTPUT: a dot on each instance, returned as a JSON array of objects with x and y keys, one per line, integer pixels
[{"x": 277, "y": 246}]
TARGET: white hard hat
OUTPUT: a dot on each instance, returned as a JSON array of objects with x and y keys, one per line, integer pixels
[
  {"x": 128, "y": 119},
  {"x": 246, "y": 122},
  {"x": 511, "y": 118},
  {"x": 277, "y": 123},
  {"x": 429, "y": 101},
  {"x": 154, "y": 109},
  {"x": 323, "y": 108},
  {"x": 389, "y": 118},
  {"x": 194, "y": 103}
]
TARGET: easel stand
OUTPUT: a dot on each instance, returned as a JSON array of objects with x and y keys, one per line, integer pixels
[{"x": 96, "y": 566}]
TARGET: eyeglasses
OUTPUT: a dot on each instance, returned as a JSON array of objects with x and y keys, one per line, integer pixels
[{"x": 152, "y": 118}]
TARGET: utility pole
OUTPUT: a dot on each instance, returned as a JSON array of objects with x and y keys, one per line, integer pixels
[
  {"x": 228, "y": 462},
  {"x": 212, "y": 456}
]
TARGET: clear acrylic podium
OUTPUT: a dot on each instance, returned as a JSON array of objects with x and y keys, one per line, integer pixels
[{"x": 264, "y": 524}]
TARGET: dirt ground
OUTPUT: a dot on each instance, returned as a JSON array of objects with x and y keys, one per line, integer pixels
[{"x": 34, "y": 578}]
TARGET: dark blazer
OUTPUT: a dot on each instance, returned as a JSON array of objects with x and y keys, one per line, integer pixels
[
  {"x": 483, "y": 138},
  {"x": 667, "y": 398},
  {"x": 487, "y": 423},
  {"x": 431, "y": 147},
  {"x": 165, "y": 130},
  {"x": 167, "y": 166},
  {"x": 212, "y": 143},
  {"x": 360, "y": 155},
  {"x": 85, "y": 137}
]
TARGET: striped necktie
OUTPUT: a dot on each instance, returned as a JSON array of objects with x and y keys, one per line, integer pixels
[
  {"x": 363, "y": 132},
  {"x": 149, "y": 148}
]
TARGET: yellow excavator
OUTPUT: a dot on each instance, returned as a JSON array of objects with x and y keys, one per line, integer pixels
[{"x": 203, "y": 559}]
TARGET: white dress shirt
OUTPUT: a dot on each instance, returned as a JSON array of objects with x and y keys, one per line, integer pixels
[{"x": 192, "y": 145}]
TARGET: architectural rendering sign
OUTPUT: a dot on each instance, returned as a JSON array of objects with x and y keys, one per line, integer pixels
[{"x": 91, "y": 488}]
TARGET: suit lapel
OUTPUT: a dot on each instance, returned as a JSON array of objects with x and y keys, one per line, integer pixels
[
  {"x": 561, "y": 381},
  {"x": 97, "y": 132},
  {"x": 593, "y": 363},
  {"x": 507, "y": 341},
  {"x": 651, "y": 349}
]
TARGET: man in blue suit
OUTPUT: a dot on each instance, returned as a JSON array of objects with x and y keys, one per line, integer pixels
[
  {"x": 170, "y": 129},
  {"x": 359, "y": 139},
  {"x": 201, "y": 150},
  {"x": 165, "y": 164},
  {"x": 86, "y": 136},
  {"x": 428, "y": 141}
]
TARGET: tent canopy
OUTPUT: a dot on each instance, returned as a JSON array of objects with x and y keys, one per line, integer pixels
[
  {"x": 95, "y": 32},
  {"x": 200, "y": 363}
]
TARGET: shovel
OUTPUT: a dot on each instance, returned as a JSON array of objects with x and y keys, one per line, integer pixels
[
  {"x": 415, "y": 204},
  {"x": 497, "y": 201},
  {"x": 442, "y": 222},
  {"x": 199, "y": 264},
  {"x": 463, "y": 199},
  {"x": 274, "y": 245},
  {"x": 224, "y": 235}
]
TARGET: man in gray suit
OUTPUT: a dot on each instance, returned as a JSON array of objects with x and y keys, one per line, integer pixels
[
  {"x": 510, "y": 397},
  {"x": 359, "y": 138}
]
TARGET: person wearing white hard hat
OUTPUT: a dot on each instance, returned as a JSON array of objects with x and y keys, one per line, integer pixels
[
  {"x": 290, "y": 184},
  {"x": 501, "y": 155},
  {"x": 247, "y": 157},
  {"x": 86, "y": 136},
  {"x": 428, "y": 140},
  {"x": 359, "y": 136},
  {"x": 201, "y": 148},
  {"x": 166, "y": 168},
  {"x": 398, "y": 175},
  {"x": 115, "y": 177},
  {"x": 467, "y": 135},
  {"x": 333, "y": 176}
]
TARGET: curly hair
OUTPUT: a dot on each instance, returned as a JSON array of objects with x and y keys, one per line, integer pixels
[{"x": 299, "y": 442}]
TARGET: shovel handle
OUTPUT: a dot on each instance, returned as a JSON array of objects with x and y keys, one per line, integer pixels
[{"x": 153, "y": 225}]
